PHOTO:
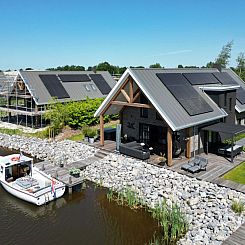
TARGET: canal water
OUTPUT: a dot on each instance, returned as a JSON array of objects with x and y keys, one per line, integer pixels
[{"x": 85, "y": 217}]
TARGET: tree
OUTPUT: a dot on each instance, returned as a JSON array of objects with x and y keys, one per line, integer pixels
[
  {"x": 67, "y": 68},
  {"x": 180, "y": 66},
  {"x": 240, "y": 63},
  {"x": 224, "y": 55},
  {"x": 29, "y": 69},
  {"x": 156, "y": 65}
]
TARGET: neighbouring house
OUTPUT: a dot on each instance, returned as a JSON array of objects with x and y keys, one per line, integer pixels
[
  {"x": 24, "y": 97},
  {"x": 170, "y": 109}
]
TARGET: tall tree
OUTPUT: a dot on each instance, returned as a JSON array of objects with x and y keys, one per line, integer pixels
[
  {"x": 156, "y": 65},
  {"x": 224, "y": 55},
  {"x": 240, "y": 63}
]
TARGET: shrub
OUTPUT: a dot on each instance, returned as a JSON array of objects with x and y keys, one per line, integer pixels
[
  {"x": 172, "y": 221},
  {"x": 237, "y": 206},
  {"x": 91, "y": 133}
]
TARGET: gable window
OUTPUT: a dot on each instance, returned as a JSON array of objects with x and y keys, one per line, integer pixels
[
  {"x": 143, "y": 111},
  {"x": 87, "y": 87},
  {"x": 93, "y": 87}
]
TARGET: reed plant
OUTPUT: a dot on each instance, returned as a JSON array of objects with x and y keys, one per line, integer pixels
[
  {"x": 237, "y": 206},
  {"x": 172, "y": 222}
]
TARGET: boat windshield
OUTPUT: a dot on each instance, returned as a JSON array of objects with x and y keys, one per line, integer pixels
[{"x": 17, "y": 171}]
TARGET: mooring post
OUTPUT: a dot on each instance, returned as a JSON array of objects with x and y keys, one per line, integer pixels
[
  {"x": 70, "y": 190},
  {"x": 43, "y": 168}
]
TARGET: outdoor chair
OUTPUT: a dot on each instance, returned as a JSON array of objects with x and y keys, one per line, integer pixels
[
  {"x": 191, "y": 163},
  {"x": 202, "y": 165}
]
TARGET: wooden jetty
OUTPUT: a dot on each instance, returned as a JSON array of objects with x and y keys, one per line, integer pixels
[{"x": 62, "y": 173}]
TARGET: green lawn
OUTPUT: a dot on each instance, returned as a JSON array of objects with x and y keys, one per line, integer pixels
[
  {"x": 77, "y": 137},
  {"x": 237, "y": 174}
]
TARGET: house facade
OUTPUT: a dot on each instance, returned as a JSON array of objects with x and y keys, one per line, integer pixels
[
  {"x": 24, "y": 98},
  {"x": 167, "y": 108}
]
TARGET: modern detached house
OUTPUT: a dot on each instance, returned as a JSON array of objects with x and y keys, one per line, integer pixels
[
  {"x": 170, "y": 109},
  {"x": 23, "y": 100}
]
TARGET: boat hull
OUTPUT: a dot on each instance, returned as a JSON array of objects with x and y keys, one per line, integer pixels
[{"x": 39, "y": 198}]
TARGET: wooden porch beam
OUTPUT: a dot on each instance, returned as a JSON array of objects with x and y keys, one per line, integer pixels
[
  {"x": 136, "y": 94},
  {"x": 125, "y": 95},
  {"x": 118, "y": 92},
  {"x": 169, "y": 144},
  {"x": 188, "y": 143},
  {"x": 138, "y": 105},
  {"x": 102, "y": 130},
  {"x": 131, "y": 90}
]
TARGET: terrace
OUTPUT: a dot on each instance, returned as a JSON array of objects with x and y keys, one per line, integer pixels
[{"x": 216, "y": 168}]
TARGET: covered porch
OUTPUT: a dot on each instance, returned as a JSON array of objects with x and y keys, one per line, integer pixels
[
  {"x": 153, "y": 131},
  {"x": 220, "y": 138}
]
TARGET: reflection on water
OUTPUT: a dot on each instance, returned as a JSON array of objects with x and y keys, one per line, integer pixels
[{"x": 83, "y": 218}]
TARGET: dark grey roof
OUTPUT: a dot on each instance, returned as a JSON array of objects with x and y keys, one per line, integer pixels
[
  {"x": 162, "y": 99},
  {"x": 76, "y": 90},
  {"x": 226, "y": 128}
]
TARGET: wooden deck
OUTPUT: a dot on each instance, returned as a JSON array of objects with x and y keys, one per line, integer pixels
[
  {"x": 237, "y": 237},
  {"x": 217, "y": 167},
  {"x": 62, "y": 173}
]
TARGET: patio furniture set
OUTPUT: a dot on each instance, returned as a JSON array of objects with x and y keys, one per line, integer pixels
[{"x": 197, "y": 164}]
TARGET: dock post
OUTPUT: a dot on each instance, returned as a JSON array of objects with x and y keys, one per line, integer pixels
[
  {"x": 70, "y": 190},
  {"x": 43, "y": 168}
]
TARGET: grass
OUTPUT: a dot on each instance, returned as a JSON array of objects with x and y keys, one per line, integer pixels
[
  {"x": 76, "y": 137},
  {"x": 237, "y": 206},
  {"x": 40, "y": 134},
  {"x": 237, "y": 174}
]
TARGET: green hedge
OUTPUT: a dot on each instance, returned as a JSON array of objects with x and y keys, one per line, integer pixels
[{"x": 75, "y": 114}]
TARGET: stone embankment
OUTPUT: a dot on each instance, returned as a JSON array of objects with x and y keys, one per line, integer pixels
[
  {"x": 207, "y": 206},
  {"x": 66, "y": 151}
]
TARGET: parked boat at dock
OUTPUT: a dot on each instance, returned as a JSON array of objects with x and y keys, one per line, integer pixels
[{"x": 20, "y": 178}]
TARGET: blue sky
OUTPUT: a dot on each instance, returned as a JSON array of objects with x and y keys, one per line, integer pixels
[{"x": 42, "y": 34}]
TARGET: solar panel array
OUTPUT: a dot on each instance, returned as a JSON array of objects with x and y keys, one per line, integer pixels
[
  {"x": 74, "y": 78},
  {"x": 54, "y": 86},
  {"x": 224, "y": 78},
  {"x": 184, "y": 93},
  {"x": 101, "y": 83},
  {"x": 201, "y": 78}
]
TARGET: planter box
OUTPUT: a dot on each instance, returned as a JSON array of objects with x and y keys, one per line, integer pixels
[{"x": 76, "y": 175}]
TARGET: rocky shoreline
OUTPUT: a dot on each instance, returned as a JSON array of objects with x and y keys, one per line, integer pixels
[
  {"x": 207, "y": 206},
  {"x": 66, "y": 151}
]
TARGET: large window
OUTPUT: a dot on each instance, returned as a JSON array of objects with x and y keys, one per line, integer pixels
[{"x": 143, "y": 111}]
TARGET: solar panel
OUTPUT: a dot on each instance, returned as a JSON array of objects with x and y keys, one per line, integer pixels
[
  {"x": 74, "y": 77},
  {"x": 101, "y": 83},
  {"x": 240, "y": 95},
  {"x": 225, "y": 78},
  {"x": 184, "y": 93},
  {"x": 54, "y": 86},
  {"x": 199, "y": 78}
]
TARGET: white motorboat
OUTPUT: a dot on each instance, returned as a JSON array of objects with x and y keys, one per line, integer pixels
[{"x": 20, "y": 178}]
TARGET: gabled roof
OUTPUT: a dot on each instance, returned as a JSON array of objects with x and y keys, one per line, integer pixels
[
  {"x": 162, "y": 99},
  {"x": 76, "y": 90}
]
